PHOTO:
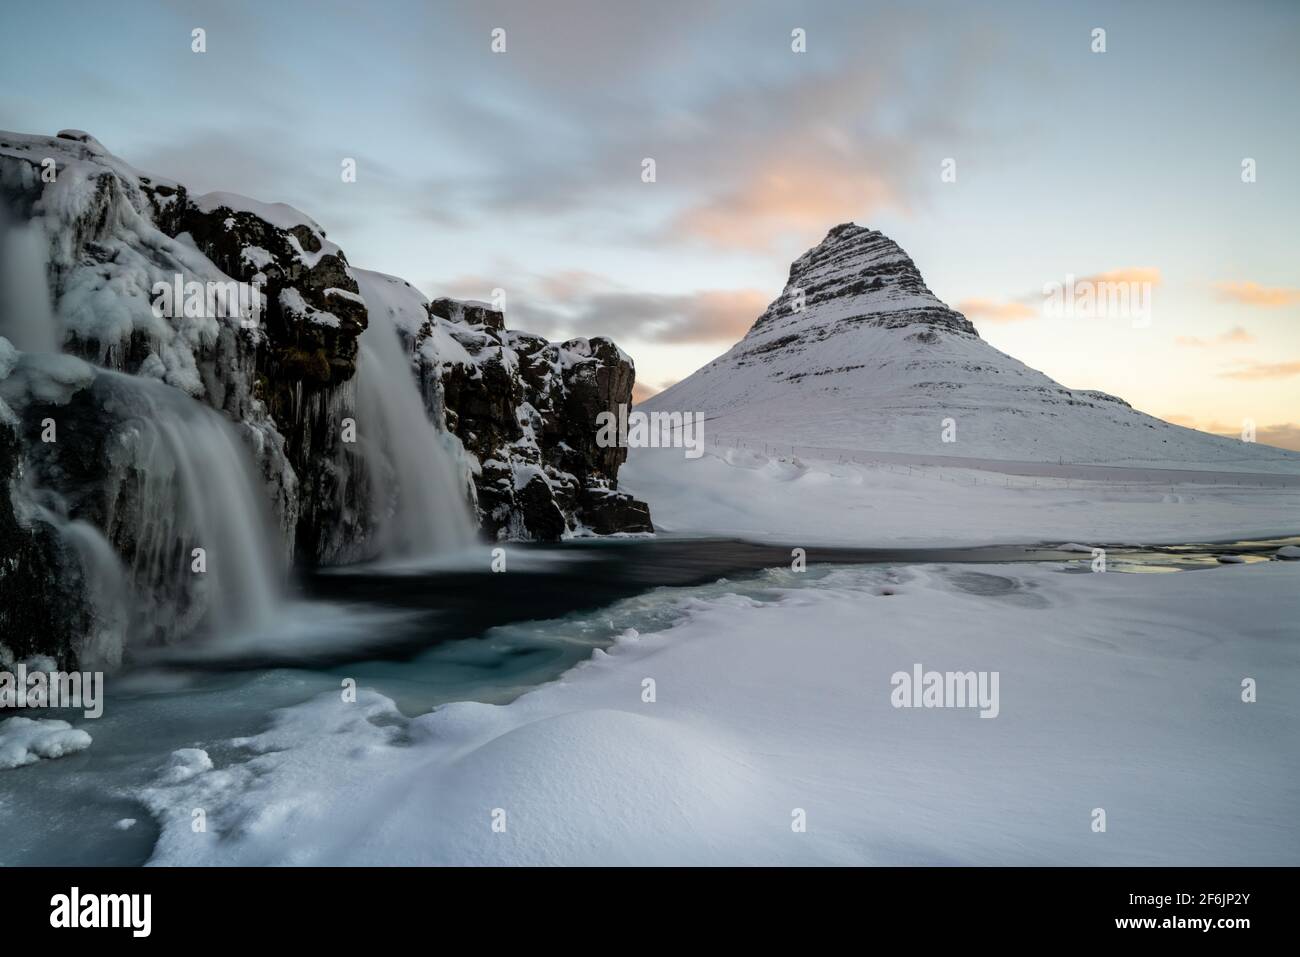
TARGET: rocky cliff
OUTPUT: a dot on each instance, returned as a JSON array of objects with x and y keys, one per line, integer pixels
[
  {"x": 524, "y": 410},
  {"x": 168, "y": 420}
]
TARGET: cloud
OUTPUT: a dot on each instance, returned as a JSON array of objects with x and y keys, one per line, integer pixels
[
  {"x": 1282, "y": 435},
  {"x": 1025, "y": 307},
  {"x": 644, "y": 390},
  {"x": 1263, "y": 370},
  {"x": 1253, "y": 294},
  {"x": 718, "y": 315},
  {"x": 750, "y": 148},
  {"x": 1234, "y": 336},
  {"x": 580, "y": 303},
  {"x": 641, "y": 392},
  {"x": 1131, "y": 274},
  {"x": 788, "y": 196},
  {"x": 991, "y": 311}
]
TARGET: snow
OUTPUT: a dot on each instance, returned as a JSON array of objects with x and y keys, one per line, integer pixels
[
  {"x": 407, "y": 307},
  {"x": 874, "y": 362},
  {"x": 766, "y": 706},
  {"x": 279, "y": 215},
  {"x": 28, "y": 740},
  {"x": 256, "y": 256},
  {"x": 98, "y": 199},
  {"x": 292, "y": 302},
  {"x": 743, "y": 493},
  {"x": 345, "y": 294},
  {"x": 397, "y": 298},
  {"x": 183, "y": 765},
  {"x": 44, "y": 377}
]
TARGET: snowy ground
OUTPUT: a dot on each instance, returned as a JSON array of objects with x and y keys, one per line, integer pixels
[
  {"x": 744, "y": 493},
  {"x": 1119, "y": 692}
]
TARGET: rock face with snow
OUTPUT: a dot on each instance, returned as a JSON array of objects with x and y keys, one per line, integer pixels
[
  {"x": 857, "y": 353},
  {"x": 304, "y": 432},
  {"x": 524, "y": 410}
]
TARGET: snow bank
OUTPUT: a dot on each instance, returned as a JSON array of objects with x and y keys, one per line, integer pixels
[
  {"x": 765, "y": 709},
  {"x": 28, "y": 740},
  {"x": 740, "y": 493}
]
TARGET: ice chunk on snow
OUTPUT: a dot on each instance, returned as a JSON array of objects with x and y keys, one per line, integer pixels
[{"x": 185, "y": 764}]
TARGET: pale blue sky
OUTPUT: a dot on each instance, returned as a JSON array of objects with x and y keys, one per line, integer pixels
[{"x": 522, "y": 169}]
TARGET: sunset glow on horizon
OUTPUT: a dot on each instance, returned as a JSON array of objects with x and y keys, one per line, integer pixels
[{"x": 524, "y": 170}]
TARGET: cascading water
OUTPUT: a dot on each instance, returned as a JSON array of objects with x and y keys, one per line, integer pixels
[
  {"x": 108, "y": 592},
  {"x": 175, "y": 477},
  {"x": 26, "y": 318},
  {"x": 411, "y": 470},
  {"x": 186, "y": 483}
]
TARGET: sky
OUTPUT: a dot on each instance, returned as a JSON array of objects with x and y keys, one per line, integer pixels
[{"x": 522, "y": 170}]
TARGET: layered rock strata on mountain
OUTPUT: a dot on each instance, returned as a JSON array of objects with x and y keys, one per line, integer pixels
[{"x": 858, "y": 354}]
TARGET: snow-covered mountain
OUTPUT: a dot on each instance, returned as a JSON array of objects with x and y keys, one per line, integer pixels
[{"x": 857, "y": 353}]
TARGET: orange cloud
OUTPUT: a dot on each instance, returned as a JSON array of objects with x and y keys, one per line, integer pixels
[
  {"x": 1233, "y": 336},
  {"x": 991, "y": 311},
  {"x": 570, "y": 284},
  {"x": 724, "y": 314},
  {"x": 1282, "y": 435},
  {"x": 1131, "y": 274},
  {"x": 1264, "y": 370},
  {"x": 1253, "y": 294},
  {"x": 1015, "y": 310},
  {"x": 782, "y": 197},
  {"x": 641, "y": 392}
]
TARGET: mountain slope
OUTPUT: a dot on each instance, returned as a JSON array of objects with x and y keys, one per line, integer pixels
[{"x": 874, "y": 361}]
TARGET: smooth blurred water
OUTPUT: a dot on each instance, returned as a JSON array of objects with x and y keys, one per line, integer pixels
[{"x": 412, "y": 472}]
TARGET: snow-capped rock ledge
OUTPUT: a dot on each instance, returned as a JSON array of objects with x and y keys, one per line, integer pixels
[{"x": 88, "y": 350}]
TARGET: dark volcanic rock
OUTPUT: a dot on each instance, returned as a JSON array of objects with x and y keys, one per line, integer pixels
[
  {"x": 107, "y": 238},
  {"x": 44, "y": 604},
  {"x": 526, "y": 410}
]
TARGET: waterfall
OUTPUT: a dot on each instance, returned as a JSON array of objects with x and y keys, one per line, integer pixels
[
  {"x": 26, "y": 318},
  {"x": 185, "y": 481},
  {"x": 107, "y": 591},
  {"x": 411, "y": 470}
]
